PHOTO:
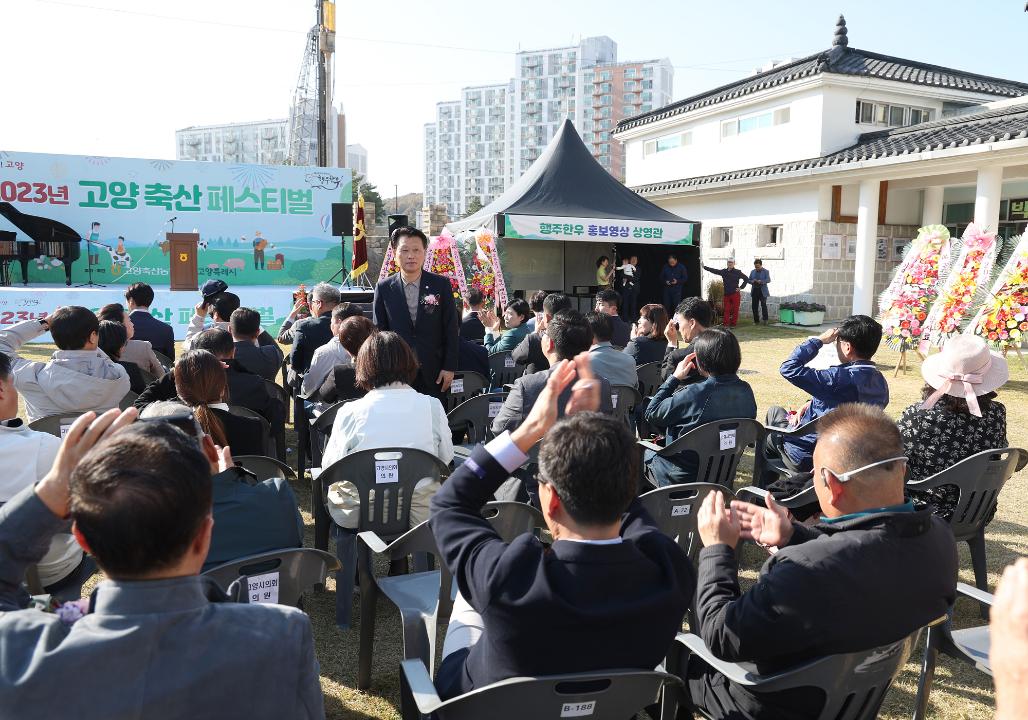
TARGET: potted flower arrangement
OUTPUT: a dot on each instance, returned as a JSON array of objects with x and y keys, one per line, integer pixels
[
  {"x": 1003, "y": 319},
  {"x": 787, "y": 313},
  {"x": 809, "y": 314}
]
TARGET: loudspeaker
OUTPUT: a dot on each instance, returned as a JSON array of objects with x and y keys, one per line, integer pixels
[
  {"x": 397, "y": 221},
  {"x": 342, "y": 219}
]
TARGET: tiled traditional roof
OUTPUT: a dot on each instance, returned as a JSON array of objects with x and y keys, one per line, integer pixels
[
  {"x": 843, "y": 61},
  {"x": 988, "y": 126}
]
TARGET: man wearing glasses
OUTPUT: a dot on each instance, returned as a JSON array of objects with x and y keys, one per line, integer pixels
[{"x": 870, "y": 573}]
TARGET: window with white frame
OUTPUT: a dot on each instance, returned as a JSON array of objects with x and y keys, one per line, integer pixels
[
  {"x": 668, "y": 142},
  {"x": 890, "y": 115},
  {"x": 769, "y": 236},
  {"x": 756, "y": 121},
  {"x": 721, "y": 237}
]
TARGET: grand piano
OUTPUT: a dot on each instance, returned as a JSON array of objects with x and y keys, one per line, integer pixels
[{"x": 49, "y": 237}]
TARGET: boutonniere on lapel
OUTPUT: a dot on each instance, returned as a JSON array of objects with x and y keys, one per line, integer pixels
[{"x": 431, "y": 302}]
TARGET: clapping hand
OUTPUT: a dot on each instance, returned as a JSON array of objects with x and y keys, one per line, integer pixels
[
  {"x": 686, "y": 366},
  {"x": 671, "y": 333},
  {"x": 717, "y": 524},
  {"x": 585, "y": 393},
  {"x": 83, "y": 435},
  {"x": 489, "y": 319},
  {"x": 770, "y": 526},
  {"x": 585, "y": 396}
]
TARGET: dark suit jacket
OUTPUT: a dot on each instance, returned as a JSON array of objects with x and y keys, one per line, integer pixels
[
  {"x": 263, "y": 360},
  {"x": 471, "y": 328},
  {"x": 673, "y": 356},
  {"x": 529, "y": 353},
  {"x": 433, "y": 336},
  {"x": 622, "y": 332},
  {"x": 544, "y": 608},
  {"x": 472, "y": 356},
  {"x": 308, "y": 336},
  {"x": 341, "y": 384},
  {"x": 526, "y": 391},
  {"x": 244, "y": 388},
  {"x": 159, "y": 333}
]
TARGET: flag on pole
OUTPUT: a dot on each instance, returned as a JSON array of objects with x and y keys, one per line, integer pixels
[{"x": 360, "y": 242}]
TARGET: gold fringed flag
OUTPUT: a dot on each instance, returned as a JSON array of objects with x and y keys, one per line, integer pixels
[{"x": 360, "y": 242}]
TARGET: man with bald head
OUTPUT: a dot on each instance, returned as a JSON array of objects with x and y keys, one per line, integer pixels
[{"x": 871, "y": 572}]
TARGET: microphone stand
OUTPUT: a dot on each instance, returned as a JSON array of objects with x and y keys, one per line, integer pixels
[{"x": 89, "y": 265}]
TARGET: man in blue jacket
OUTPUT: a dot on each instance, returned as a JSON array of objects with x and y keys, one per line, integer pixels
[
  {"x": 856, "y": 379},
  {"x": 672, "y": 278},
  {"x": 525, "y": 609}
]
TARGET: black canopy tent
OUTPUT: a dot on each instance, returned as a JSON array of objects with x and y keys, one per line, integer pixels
[{"x": 567, "y": 197}]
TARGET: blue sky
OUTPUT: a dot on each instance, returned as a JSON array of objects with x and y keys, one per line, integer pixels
[{"x": 118, "y": 77}]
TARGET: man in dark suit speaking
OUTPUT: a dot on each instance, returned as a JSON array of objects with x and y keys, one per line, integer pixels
[{"x": 418, "y": 306}]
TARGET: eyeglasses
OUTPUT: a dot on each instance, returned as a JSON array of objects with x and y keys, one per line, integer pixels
[{"x": 845, "y": 477}]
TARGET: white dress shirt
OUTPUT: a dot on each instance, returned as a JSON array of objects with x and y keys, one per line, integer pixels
[
  {"x": 325, "y": 359},
  {"x": 393, "y": 415}
]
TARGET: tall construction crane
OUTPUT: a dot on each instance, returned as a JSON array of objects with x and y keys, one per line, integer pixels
[{"x": 308, "y": 117}]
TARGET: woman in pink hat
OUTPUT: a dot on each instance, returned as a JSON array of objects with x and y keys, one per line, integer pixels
[{"x": 958, "y": 417}]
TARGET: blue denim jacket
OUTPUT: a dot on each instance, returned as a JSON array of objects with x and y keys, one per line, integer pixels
[
  {"x": 716, "y": 398},
  {"x": 853, "y": 382}
]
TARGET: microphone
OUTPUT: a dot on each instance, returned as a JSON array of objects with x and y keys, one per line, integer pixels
[{"x": 174, "y": 219}]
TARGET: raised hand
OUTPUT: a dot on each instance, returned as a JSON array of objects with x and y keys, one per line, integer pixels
[
  {"x": 686, "y": 366},
  {"x": 770, "y": 526},
  {"x": 671, "y": 333},
  {"x": 543, "y": 414},
  {"x": 717, "y": 524},
  {"x": 585, "y": 393}
]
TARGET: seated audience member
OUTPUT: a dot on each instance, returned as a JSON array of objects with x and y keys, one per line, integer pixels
[
  {"x": 112, "y": 338},
  {"x": 515, "y": 315},
  {"x": 79, "y": 376},
  {"x": 201, "y": 383},
  {"x": 26, "y": 456},
  {"x": 341, "y": 383},
  {"x": 957, "y": 419},
  {"x": 855, "y": 380},
  {"x": 250, "y": 517},
  {"x": 648, "y": 343},
  {"x": 609, "y": 302},
  {"x": 606, "y": 361},
  {"x": 1008, "y": 654},
  {"x": 535, "y": 303},
  {"x": 161, "y": 336},
  {"x": 471, "y": 327},
  {"x": 219, "y": 304},
  {"x": 244, "y": 388},
  {"x": 136, "y": 351},
  {"x": 528, "y": 609},
  {"x": 530, "y": 351},
  {"x": 716, "y": 356},
  {"x": 141, "y": 502},
  {"x": 872, "y": 571},
  {"x": 567, "y": 334},
  {"x": 392, "y": 414},
  {"x": 692, "y": 316},
  {"x": 310, "y": 334},
  {"x": 333, "y": 353},
  {"x": 472, "y": 356},
  {"x": 263, "y": 360}
]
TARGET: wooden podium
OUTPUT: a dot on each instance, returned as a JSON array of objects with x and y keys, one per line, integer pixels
[{"x": 182, "y": 251}]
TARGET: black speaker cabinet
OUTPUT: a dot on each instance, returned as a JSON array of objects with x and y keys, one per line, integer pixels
[
  {"x": 342, "y": 219},
  {"x": 397, "y": 221}
]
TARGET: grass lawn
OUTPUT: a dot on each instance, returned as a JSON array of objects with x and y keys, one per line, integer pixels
[{"x": 959, "y": 691}]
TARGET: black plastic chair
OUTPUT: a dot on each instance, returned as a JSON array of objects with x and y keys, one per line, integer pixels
[
  {"x": 466, "y": 384},
  {"x": 128, "y": 401},
  {"x": 674, "y": 509},
  {"x": 765, "y": 467},
  {"x": 277, "y": 576},
  {"x": 474, "y": 416},
  {"x": 164, "y": 360},
  {"x": 610, "y": 695},
  {"x": 421, "y": 597},
  {"x": 969, "y": 646},
  {"x": 853, "y": 684},
  {"x": 649, "y": 378},
  {"x": 279, "y": 433},
  {"x": 503, "y": 370},
  {"x": 56, "y": 425},
  {"x": 267, "y": 442},
  {"x": 719, "y": 445},
  {"x": 319, "y": 429},
  {"x": 265, "y": 468},
  {"x": 624, "y": 399},
  {"x": 391, "y": 474},
  {"x": 758, "y": 496},
  {"x": 979, "y": 479}
]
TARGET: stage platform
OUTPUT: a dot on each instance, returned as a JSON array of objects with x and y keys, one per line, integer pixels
[{"x": 34, "y": 302}]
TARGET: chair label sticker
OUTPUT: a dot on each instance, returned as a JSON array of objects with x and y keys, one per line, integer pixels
[
  {"x": 508, "y": 361},
  {"x": 457, "y": 386},
  {"x": 680, "y": 510},
  {"x": 263, "y": 588},
  {"x": 65, "y": 427},
  {"x": 577, "y": 709},
  {"x": 494, "y": 408},
  {"x": 387, "y": 471},
  {"x": 727, "y": 439},
  {"x": 614, "y": 400}
]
